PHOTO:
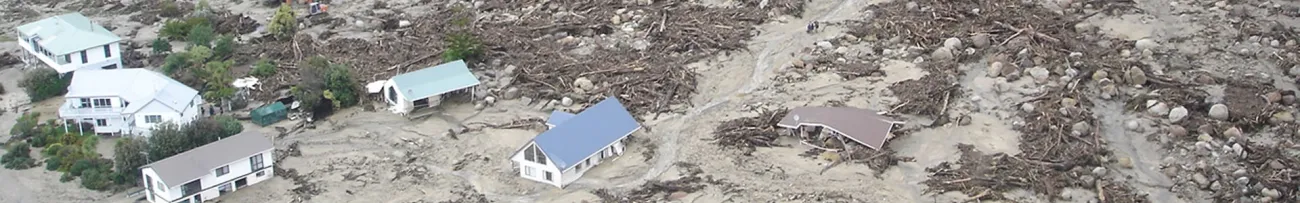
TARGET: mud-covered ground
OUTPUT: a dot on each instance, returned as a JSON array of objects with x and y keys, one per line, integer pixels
[{"x": 1132, "y": 85}]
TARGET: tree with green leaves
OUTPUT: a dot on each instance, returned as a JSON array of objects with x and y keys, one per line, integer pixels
[
  {"x": 320, "y": 76},
  {"x": 284, "y": 23},
  {"x": 161, "y": 46},
  {"x": 128, "y": 157},
  {"x": 218, "y": 80},
  {"x": 263, "y": 68},
  {"x": 224, "y": 47},
  {"x": 201, "y": 35},
  {"x": 45, "y": 83}
]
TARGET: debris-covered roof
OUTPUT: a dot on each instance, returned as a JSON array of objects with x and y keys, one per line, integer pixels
[
  {"x": 586, "y": 133},
  {"x": 435, "y": 80},
  {"x": 135, "y": 85},
  {"x": 861, "y": 125},
  {"x": 198, "y": 162},
  {"x": 67, "y": 33}
]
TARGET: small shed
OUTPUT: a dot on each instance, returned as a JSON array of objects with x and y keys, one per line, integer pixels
[
  {"x": 269, "y": 114},
  {"x": 423, "y": 88}
]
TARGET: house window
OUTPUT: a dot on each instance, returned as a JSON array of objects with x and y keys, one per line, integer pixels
[
  {"x": 163, "y": 188},
  {"x": 261, "y": 173},
  {"x": 66, "y": 58},
  {"x": 152, "y": 118},
  {"x": 223, "y": 170},
  {"x": 541, "y": 157},
  {"x": 101, "y": 122},
  {"x": 534, "y": 154},
  {"x": 103, "y": 103},
  {"x": 255, "y": 161},
  {"x": 578, "y": 167},
  {"x": 528, "y": 171},
  {"x": 107, "y": 51},
  {"x": 149, "y": 181},
  {"x": 83, "y": 56},
  {"x": 547, "y": 174},
  {"x": 85, "y": 103}
]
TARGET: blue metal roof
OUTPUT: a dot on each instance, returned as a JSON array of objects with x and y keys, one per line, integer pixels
[
  {"x": 557, "y": 117},
  {"x": 586, "y": 133},
  {"x": 435, "y": 80}
]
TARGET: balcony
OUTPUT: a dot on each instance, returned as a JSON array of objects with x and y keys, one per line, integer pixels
[{"x": 67, "y": 109}]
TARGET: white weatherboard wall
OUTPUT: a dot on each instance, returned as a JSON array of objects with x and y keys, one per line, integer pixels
[
  {"x": 112, "y": 114},
  {"x": 167, "y": 114},
  {"x": 398, "y": 100},
  {"x": 560, "y": 179},
  {"x": 209, "y": 183},
  {"x": 95, "y": 57}
]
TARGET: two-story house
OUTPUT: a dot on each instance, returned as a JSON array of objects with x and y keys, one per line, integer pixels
[
  {"x": 211, "y": 170},
  {"x": 70, "y": 42},
  {"x": 128, "y": 101}
]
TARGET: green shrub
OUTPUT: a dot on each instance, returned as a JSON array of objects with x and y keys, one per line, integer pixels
[
  {"x": 229, "y": 125},
  {"x": 95, "y": 179},
  {"x": 52, "y": 149},
  {"x": 128, "y": 157},
  {"x": 216, "y": 74},
  {"x": 66, "y": 177},
  {"x": 283, "y": 24},
  {"x": 19, "y": 157},
  {"x": 53, "y": 163},
  {"x": 198, "y": 55},
  {"x": 161, "y": 46},
  {"x": 200, "y": 35},
  {"x": 460, "y": 47},
  {"x": 175, "y": 62},
  {"x": 25, "y": 126},
  {"x": 168, "y": 8},
  {"x": 180, "y": 29},
  {"x": 320, "y": 76},
  {"x": 80, "y": 166},
  {"x": 263, "y": 68},
  {"x": 45, "y": 83},
  {"x": 224, "y": 47}
]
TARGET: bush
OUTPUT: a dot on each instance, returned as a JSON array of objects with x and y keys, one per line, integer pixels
[
  {"x": 80, "y": 166},
  {"x": 175, "y": 62},
  {"x": 460, "y": 47},
  {"x": 223, "y": 47},
  {"x": 53, "y": 163},
  {"x": 200, "y": 35},
  {"x": 161, "y": 46},
  {"x": 52, "y": 149},
  {"x": 263, "y": 68},
  {"x": 180, "y": 29},
  {"x": 320, "y": 76},
  {"x": 216, "y": 75},
  {"x": 169, "y": 9},
  {"x": 128, "y": 157},
  {"x": 66, "y": 177},
  {"x": 229, "y": 125},
  {"x": 283, "y": 24},
  {"x": 95, "y": 179},
  {"x": 19, "y": 157},
  {"x": 25, "y": 126},
  {"x": 45, "y": 83}
]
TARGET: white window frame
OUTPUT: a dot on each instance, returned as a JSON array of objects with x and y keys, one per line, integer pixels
[
  {"x": 155, "y": 119},
  {"x": 108, "y": 103},
  {"x": 256, "y": 162},
  {"x": 101, "y": 122},
  {"x": 528, "y": 171}
]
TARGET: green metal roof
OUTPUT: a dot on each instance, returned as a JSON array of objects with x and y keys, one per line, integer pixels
[
  {"x": 435, "y": 80},
  {"x": 67, "y": 33}
]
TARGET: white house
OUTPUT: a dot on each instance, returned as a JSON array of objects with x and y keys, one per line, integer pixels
[
  {"x": 211, "y": 170},
  {"x": 70, "y": 42},
  {"x": 576, "y": 143},
  {"x": 422, "y": 88},
  {"x": 128, "y": 101}
]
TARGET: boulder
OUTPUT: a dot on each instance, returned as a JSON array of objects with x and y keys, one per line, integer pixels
[
  {"x": 1134, "y": 75},
  {"x": 584, "y": 83},
  {"x": 952, "y": 43},
  {"x": 1219, "y": 111},
  {"x": 1159, "y": 109},
  {"x": 1177, "y": 131},
  {"x": 1146, "y": 44},
  {"x": 1177, "y": 114},
  {"x": 995, "y": 69},
  {"x": 980, "y": 40},
  {"x": 942, "y": 54}
]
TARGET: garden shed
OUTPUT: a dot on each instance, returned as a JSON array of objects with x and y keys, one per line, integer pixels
[{"x": 269, "y": 114}]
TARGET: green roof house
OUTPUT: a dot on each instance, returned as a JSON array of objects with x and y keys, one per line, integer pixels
[
  {"x": 423, "y": 88},
  {"x": 70, "y": 42}
]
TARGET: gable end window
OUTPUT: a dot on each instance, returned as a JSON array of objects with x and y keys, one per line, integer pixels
[
  {"x": 107, "y": 51},
  {"x": 85, "y": 103},
  {"x": 103, "y": 103},
  {"x": 222, "y": 171},
  {"x": 83, "y": 56},
  {"x": 152, "y": 119}
]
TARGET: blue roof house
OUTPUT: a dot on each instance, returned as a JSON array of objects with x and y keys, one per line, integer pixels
[
  {"x": 423, "y": 88},
  {"x": 69, "y": 42},
  {"x": 575, "y": 143}
]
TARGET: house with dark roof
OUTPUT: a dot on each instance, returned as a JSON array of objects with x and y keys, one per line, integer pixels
[
  {"x": 211, "y": 170},
  {"x": 859, "y": 125},
  {"x": 576, "y": 143},
  {"x": 424, "y": 88},
  {"x": 70, "y": 42}
]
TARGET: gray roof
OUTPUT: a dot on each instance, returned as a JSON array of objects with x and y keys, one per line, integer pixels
[
  {"x": 586, "y": 133},
  {"x": 67, "y": 33},
  {"x": 198, "y": 162},
  {"x": 863, "y": 126},
  {"x": 557, "y": 117},
  {"x": 435, "y": 80},
  {"x": 136, "y": 85}
]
